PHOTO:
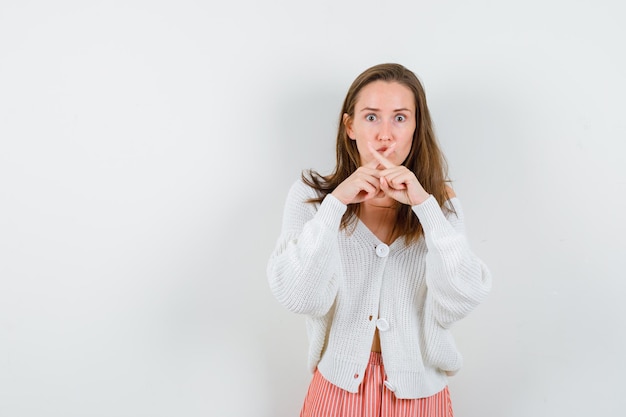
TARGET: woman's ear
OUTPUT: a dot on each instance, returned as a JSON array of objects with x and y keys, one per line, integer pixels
[{"x": 347, "y": 122}]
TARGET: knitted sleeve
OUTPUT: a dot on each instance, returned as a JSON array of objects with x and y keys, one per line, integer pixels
[
  {"x": 304, "y": 268},
  {"x": 456, "y": 279}
]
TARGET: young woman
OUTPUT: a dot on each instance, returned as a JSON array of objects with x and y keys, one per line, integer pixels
[{"x": 375, "y": 256}]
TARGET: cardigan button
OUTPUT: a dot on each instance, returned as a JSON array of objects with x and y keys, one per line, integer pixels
[
  {"x": 389, "y": 386},
  {"x": 382, "y": 324},
  {"x": 382, "y": 250}
]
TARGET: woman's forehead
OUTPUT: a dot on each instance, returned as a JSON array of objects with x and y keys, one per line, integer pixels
[{"x": 385, "y": 95}]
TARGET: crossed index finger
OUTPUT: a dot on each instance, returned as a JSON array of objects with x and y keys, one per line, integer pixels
[{"x": 381, "y": 158}]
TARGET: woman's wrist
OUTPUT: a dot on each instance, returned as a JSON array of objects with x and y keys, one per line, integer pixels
[{"x": 418, "y": 198}]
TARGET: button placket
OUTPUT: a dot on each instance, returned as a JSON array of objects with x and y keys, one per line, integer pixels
[
  {"x": 382, "y": 250},
  {"x": 382, "y": 325}
]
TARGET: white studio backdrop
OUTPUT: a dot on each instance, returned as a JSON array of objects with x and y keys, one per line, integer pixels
[{"x": 146, "y": 149}]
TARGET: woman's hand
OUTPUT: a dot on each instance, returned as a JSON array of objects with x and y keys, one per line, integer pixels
[
  {"x": 362, "y": 185},
  {"x": 397, "y": 181}
]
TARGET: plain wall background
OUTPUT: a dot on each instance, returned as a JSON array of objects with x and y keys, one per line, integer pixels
[{"x": 146, "y": 149}]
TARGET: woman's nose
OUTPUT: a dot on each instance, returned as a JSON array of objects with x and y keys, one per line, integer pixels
[{"x": 385, "y": 132}]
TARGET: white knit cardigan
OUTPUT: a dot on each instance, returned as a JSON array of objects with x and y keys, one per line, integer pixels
[{"x": 347, "y": 283}]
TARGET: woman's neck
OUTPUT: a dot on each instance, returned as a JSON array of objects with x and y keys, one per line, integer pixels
[{"x": 379, "y": 215}]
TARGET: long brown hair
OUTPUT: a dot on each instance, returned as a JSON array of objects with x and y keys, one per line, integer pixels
[{"x": 425, "y": 158}]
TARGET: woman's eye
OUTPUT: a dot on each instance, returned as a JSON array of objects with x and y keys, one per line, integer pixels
[
  {"x": 400, "y": 118},
  {"x": 370, "y": 117}
]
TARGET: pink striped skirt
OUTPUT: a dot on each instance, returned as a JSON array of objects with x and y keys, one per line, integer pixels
[{"x": 373, "y": 399}]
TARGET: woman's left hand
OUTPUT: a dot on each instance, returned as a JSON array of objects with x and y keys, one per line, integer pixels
[{"x": 398, "y": 182}]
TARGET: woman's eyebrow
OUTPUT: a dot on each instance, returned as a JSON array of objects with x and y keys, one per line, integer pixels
[{"x": 404, "y": 109}]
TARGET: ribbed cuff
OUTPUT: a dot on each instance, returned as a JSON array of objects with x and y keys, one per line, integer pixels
[
  {"x": 331, "y": 211},
  {"x": 430, "y": 215}
]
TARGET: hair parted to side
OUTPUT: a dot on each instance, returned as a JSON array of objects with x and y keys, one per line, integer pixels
[{"x": 425, "y": 158}]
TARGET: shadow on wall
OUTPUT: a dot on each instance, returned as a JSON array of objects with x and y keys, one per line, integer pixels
[
  {"x": 225, "y": 337},
  {"x": 303, "y": 131}
]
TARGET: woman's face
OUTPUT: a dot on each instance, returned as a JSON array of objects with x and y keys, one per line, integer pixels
[{"x": 384, "y": 115}]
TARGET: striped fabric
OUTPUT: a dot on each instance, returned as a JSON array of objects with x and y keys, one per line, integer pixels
[{"x": 373, "y": 399}]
